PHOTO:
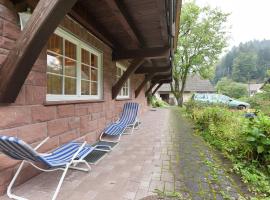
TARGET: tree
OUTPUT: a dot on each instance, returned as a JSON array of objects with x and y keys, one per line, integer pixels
[
  {"x": 201, "y": 40},
  {"x": 248, "y": 61},
  {"x": 245, "y": 67},
  {"x": 231, "y": 88}
]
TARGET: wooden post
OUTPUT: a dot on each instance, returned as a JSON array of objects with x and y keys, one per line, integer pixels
[
  {"x": 149, "y": 89},
  {"x": 141, "y": 86},
  {"x": 156, "y": 89},
  {"x": 136, "y": 63},
  {"x": 19, "y": 62}
]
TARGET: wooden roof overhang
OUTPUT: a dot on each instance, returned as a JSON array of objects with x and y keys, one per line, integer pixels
[{"x": 141, "y": 31}]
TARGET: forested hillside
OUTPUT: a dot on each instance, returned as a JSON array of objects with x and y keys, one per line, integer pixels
[{"x": 248, "y": 61}]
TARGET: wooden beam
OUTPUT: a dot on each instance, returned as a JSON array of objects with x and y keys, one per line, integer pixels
[
  {"x": 147, "y": 70},
  {"x": 130, "y": 70},
  {"x": 161, "y": 5},
  {"x": 15, "y": 69},
  {"x": 156, "y": 89},
  {"x": 88, "y": 21},
  {"x": 177, "y": 22},
  {"x": 156, "y": 52},
  {"x": 121, "y": 14},
  {"x": 160, "y": 77},
  {"x": 161, "y": 81},
  {"x": 141, "y": 86},
  {"x": 150, "y": 88}
]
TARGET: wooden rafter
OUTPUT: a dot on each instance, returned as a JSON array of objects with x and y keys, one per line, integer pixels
[
  {"x": 147, "y": 70},
  {"x": 150, "y": 88},
  {"x": 156, "y": 52},
  {"x": 130, "y": 70},
  {"x": 163, "y": 22},
  {"x": 15, "y": 69},
  {"x": 82, "y": 16},
  {"x": 121, "y": 14},
  {"x": 141, "y": 86},
  {"x": 162, "y": 77},
  {"x": 156, "y": 89}
]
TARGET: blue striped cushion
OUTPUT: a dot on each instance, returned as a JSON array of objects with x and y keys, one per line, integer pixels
[
  {"x": 128, "y": 117},
  {"x": 19, "y": 150},
  {"x": 62, "y": 155}
]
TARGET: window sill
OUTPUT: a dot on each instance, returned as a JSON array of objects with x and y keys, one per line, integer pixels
[
  {"x": 54, "y": 103},
  {"x": 123, "y": 99}
]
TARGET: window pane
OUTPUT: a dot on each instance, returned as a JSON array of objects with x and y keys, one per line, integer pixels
[
  {"x": 93, "y": 88},
  {"x": 70, "y": 50},
  {"x": 93, "y": 74},
  {"x": 94, "y": 60},
  {"x": 85, "y": 72},
  {"x": 55, "y": 44},
  {"x": 85, "y": 88},
  {"x": 118, "y": 73},
  {"x": 54, "y": 84},
  {"x": 54, "y": 63},
  {"x": 70, "y": 67},
  {"x": 70, "y": 86},
  {"x": 85, "y": 57}
]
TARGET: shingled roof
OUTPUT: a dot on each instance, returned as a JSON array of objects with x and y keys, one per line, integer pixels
[{"x": 194, "y": 84}]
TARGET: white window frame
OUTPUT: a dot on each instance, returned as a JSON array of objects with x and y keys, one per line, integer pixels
[
  {"x": 123, "y": 69},
  {"x": 79, "y": 45}
]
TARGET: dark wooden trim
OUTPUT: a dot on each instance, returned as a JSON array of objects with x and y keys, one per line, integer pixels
[
  {"x": 150, "y": 88},
  {"x": 156, "y": 89},
  {"x": 121, "y": 14},
  {"x": 161, "y": 4},
  {"x": 162, "y": 81},
  {"x": 19, "y": 62},
  {"x": 177, "y": 22},
  {"x": 146, "y": 70},
  {"x": 130, "y": 70},
  {"x": 141, "y": 86},
  {"x": 8, "y": 4},
  {"x": 156, "y": 52},
  {"x": 92, "y": 28},
  {"x": 160, "y": 77},
  {"x": 88, "y": 21}
]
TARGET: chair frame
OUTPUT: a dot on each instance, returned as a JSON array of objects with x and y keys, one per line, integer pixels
[
  {"x": 71, "y": 165},
  {"x": 130, "y": 126}
]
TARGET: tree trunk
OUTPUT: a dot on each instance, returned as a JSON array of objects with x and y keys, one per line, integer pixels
[{"x": 180, "y": 100}]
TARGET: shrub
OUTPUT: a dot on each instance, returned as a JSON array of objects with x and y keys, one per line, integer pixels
[
  {"x": 231, "y": 88},
  {"x": 155, "y": 102},
  {"x": 246, "y": 142}
]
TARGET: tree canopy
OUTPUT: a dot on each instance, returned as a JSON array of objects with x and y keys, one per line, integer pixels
[
  {"x": 202, "y": 37},
  {"x": 249, "y": 61}
]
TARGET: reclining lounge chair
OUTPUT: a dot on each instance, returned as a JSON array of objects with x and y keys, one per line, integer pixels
[
  {"x": 128, "y": 120},
  {"x": 65, "y": 157}
]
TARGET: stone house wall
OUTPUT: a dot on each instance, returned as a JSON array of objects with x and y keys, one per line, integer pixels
[{"x": 32, "y": 119}]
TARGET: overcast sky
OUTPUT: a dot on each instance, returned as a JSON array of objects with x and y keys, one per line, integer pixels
[{"x": 249, "y": 19}]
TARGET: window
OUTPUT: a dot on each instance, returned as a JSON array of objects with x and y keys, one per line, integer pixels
[
  {"x": 124, "y": 92},
  {"x": 73, "y": 69}
]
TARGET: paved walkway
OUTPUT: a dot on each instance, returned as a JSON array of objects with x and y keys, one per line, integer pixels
[{"x": 162, "y": 156}]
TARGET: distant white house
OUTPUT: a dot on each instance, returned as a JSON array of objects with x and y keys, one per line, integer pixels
[
  {"x": 194, "y": 84},
  {"x": 254, "y": 88}
]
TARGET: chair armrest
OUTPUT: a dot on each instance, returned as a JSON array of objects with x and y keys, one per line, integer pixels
[{"x": 41, "y": 143}]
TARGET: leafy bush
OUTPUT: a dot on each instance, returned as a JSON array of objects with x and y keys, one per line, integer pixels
[
  {"x": 231, "y": 88},
  {"x": 246, "y": 142},
  {"x": 155, "y": 102}
]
